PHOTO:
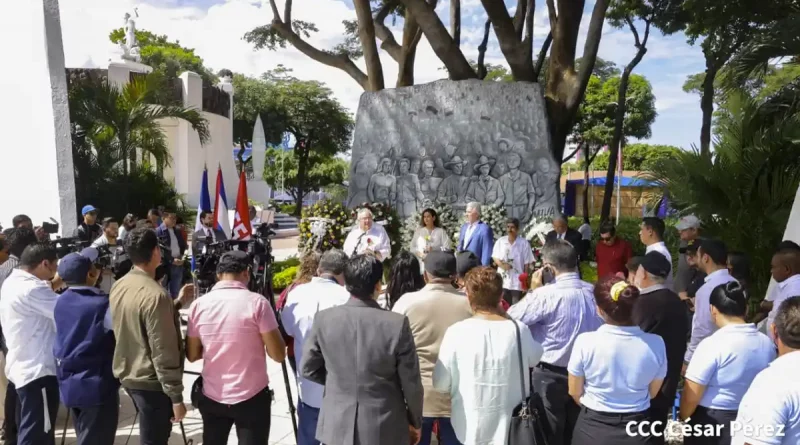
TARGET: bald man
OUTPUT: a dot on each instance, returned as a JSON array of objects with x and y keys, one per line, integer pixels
[
  {"x": 785, "y": 268},
  {"x": 563, "y": 232}
]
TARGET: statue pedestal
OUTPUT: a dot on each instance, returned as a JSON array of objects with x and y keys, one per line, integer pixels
[
  {"x": 38, "y": 177},
  {"x": 119, "y": 71}
]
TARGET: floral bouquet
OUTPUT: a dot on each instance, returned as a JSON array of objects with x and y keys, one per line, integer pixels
[
  {"x": 337, "y": 223},
  {"x": 535, "y": 232}
]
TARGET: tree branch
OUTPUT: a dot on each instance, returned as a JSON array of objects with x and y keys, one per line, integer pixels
[
  {"x": 337, "y": 61},
  {"x": 529, "y": 25},
  {"x": 519, "y": 60},
  {"x": 287, "y": 12},
  {"x": 519, "y": 17},
  {"x": 482, "y": 50},
  {"x": 366, "y": 32},
  {"x": 589, "y": 50},
  {"x": 275, "y": 14},
  {"x": 412, "y": 34},
  {"x": 551, "y": 14},
  {"x": 455, "y": 20},
  {"x": 384, "y": 34},
  {"x": 574, "y": 152},
  {"x": 537, "y": 69},
  {"x": 634, "y": 31},
  {"x": 440, "y": 40}
]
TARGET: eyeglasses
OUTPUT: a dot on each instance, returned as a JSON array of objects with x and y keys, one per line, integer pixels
[{"x": 606, "y": 239}]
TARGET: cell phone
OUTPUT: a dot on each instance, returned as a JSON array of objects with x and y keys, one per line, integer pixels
[
  {"x": 547, "y": 275},
  {"x": 49, "y": 228}
]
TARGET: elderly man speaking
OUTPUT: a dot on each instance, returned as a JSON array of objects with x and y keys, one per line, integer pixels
[{"x": 367, "y": 236}]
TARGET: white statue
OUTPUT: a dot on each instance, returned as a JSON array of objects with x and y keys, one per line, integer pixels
[{"x": 130, "y": 47}]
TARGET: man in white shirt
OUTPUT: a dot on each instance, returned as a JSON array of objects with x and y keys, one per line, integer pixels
[
  {"x": 652, "y": 236},
  {"x": 367, "y": 236},
  {"x": 712, "y": 258},
  {"x": 27, "y": 307},
  {"x": 785, "y": 269},
  {"x": 172, "y": 236},
  {"x": 513, "y": 256},
  {"x": 326, "y": 290},
  {"x": 769, "y": 413},
  {"x": 107, "y": 240}
]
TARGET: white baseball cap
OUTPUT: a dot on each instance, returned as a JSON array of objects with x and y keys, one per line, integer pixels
[{"x": 688, "y": 222}]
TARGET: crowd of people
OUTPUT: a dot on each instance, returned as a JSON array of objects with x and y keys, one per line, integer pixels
[{"x": 454, "y": 345}]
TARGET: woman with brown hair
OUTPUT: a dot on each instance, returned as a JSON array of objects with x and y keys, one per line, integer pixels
[
  {"x": 615, "y": 371},
  {"x": 479, "y": 365},
  {"x": 305, "y": 272}
]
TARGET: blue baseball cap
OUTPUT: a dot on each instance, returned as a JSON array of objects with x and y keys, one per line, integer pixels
[
  {"x": 74, "y": 267},
  {"x": 88, "y": 208}
]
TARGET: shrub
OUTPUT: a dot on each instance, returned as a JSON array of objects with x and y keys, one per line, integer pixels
[
  {"x": 284, "y": 278},
  {"x": 280, "y": 266},
  {"x": 287, "y": 208}
]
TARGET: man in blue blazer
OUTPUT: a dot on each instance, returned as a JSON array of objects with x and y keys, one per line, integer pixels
[{"x": 476, "y": 236}]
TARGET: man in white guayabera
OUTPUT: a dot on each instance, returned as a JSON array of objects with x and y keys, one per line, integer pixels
[{"x": 366, "y": 237}]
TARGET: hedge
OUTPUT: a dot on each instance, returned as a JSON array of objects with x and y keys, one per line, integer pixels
[{"x": 284, "y": 278}]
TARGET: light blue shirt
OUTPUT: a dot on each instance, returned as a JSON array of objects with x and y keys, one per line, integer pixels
[
  {"x": 618, "y": 363},
  {"x": 556, "y": 314},
  {"x": 727, "y": 361},
  {"x": 702, "y": 326},
  {"x": 773, "y": 401},
  {"x": 302, "y": 305}
]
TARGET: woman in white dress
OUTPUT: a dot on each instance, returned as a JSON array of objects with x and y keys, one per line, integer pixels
[
  {"x": 429, "y": 236},
  {"x": 478, "y": 364}
]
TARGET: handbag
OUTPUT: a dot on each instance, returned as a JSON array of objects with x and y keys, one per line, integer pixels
[{"x": 527, "y": 425}]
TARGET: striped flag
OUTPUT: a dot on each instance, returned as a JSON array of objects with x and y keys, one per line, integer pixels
[
  {"x": 221, "y": 206},
  {"x": 205, "y": 200},
  {"x": 241, "y": 220}
]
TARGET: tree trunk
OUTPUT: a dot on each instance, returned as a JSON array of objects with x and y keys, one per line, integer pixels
[
  {"x": 302, "y": 151},
  {"x": 366, "y": 33},
  {"x": 586, "y": 167},
  {"x": 455, "y": 20},
  {"x": 707, "y": 106},
  {"x": 411, "y": 37},
  {"x": 619, "y": 118}
]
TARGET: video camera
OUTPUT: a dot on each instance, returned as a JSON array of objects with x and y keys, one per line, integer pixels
[
  {"x": 66, "y": 246},
  {"x": 258, "y": 247}
]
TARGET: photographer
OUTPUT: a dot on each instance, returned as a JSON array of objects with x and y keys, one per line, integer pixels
[
  {"x": 233, "y": 330},
  {"x": 173, "y": 237},
  {"x": 88, "y": 230},
  {"x": 84, "y": 351},
  {"x": 25, "y": 221},
  {"x": 107, "y": 243},
  {"x": 148, "y": 359}
]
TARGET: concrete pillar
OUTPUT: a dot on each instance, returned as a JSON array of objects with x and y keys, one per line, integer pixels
[
  {"x": 119, "y": 72},
  {"x": 189, "y": 155},
  {"x": 37, "y": 176}
]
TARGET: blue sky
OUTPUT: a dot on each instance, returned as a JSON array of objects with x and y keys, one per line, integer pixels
[{"x": 215, "y": 28}]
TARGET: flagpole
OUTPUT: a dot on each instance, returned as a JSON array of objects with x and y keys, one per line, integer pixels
[{"x": 619, "y": 180}]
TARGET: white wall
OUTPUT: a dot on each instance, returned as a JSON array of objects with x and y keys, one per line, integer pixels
[{"x": 35, "y": 147}]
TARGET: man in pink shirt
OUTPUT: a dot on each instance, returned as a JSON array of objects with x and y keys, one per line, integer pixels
[{"x": 232, "y": 330}]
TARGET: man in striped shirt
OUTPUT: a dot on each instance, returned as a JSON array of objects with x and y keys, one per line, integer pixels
[{"x": 556, "y": 314}]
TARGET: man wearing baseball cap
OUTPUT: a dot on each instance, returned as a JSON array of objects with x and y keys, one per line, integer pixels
[
  {"x": 689, "y": 228},
  {"x": 88, "y": 230},
  {"x": 430, "y": 312},
  {"x": 659, "y": 311},
  {"x": 84, "y": 350}
]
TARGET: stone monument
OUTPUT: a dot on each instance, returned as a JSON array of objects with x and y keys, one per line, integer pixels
[
  {"x": 455, "y": 142},
  {"x": 38, "y": 177}
]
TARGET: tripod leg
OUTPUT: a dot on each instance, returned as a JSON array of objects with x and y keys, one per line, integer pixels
[
  {"x": 64, "y": 431},
  {"x": 292, "y": 409}
]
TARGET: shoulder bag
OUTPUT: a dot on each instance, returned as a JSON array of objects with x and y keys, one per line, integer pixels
[{"x": 527, "y": 425}]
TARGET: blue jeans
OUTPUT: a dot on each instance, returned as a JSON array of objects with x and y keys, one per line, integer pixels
[
  {"x": 307, "y": 424},
  {"x": 446, "y": 434},
  {"x": 175, "y": 280}
]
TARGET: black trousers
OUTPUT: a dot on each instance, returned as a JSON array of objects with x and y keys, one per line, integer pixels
[
  {"x": 97, "y": 425},
  {"x": 155, "y": 412},
  {"x": 36, "y": 412},
  {"x": 512, "y": 296},
  {"x": 251, "y": 417},
  {"x": 704, "y": 419},
  {"x": 10, "y": 422},
  {"x": 550, "y": 382},
  {"x": 599, "y": 428}
]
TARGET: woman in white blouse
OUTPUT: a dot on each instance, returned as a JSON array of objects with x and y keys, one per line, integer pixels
[
  {"x": 478, "y": 364},
  {"x": 615, "y": 371},
  {"x": 429, "y": 236}
]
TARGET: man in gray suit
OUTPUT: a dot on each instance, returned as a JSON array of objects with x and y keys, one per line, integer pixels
[
  {"x": 367, "y": 361},
  {"x": 201, "y": 237}
]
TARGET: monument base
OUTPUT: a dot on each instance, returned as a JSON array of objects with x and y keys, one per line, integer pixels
[{"x": 119, "y": 71}]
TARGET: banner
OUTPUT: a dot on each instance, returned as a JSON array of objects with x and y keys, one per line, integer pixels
[{"x": 241, "y": 220}]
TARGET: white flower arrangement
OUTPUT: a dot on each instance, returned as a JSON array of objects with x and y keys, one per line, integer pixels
[
  {"x": 536, "y": 230},
  {"x": 449, "y": 222}
]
